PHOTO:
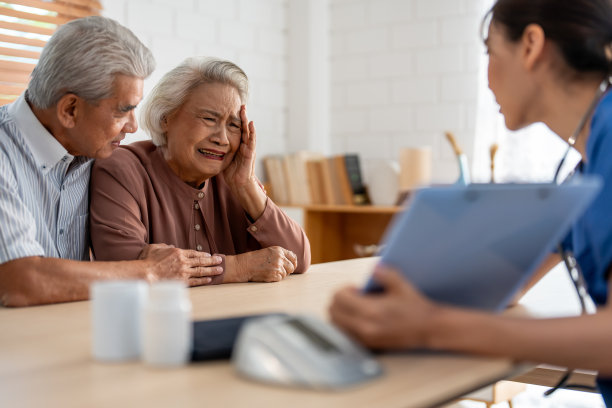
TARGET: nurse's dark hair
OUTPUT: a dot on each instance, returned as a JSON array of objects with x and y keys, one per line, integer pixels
[{"x": 582, "y": 29}]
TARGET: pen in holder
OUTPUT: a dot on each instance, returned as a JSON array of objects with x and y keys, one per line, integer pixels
[
  {"x": 464, "y": 172},
  {"x": 492, "y": 152}
]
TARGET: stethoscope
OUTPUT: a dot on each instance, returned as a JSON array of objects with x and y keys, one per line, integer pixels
[{"x": 569, "y": 260}]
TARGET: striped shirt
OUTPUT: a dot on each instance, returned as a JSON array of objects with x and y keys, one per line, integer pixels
[{"x": 44, "y": 191}]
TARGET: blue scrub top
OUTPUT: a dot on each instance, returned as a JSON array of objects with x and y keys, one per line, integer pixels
[{"x": 591, "y": 237}]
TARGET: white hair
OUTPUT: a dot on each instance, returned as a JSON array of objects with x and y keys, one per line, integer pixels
[
  {"x": 83, "y": 57},
  {"x": 173, "y": 89}
]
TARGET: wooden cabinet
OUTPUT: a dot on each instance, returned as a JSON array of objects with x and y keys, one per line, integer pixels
[{"x": 334, "y": 231}]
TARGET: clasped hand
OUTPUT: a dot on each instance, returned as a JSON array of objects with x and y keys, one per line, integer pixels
[
  {"x": 270, "y": 264},
  {"x": 167, "y": 262}
]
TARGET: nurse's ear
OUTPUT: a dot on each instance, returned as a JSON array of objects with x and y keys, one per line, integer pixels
[{"x": 533, "y": 43}]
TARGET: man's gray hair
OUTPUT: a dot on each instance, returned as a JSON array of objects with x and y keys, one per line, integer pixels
[
  {"x": 83, "y": 57},
  {"x": 174, "y": 88}
]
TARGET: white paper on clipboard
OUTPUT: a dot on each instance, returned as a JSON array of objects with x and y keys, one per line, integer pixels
[{"x": 475, "y": 246}]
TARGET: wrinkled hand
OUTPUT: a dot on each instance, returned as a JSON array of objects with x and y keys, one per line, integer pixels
[
  {"x": 241, "y": 171},
  {"x": 167, "y": 262},
  {"x": 394, "y": 319},
  {"x": 271, "y": 264}
]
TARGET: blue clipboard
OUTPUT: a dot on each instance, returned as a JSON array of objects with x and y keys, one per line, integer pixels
[{"x": 475, "y": 246}]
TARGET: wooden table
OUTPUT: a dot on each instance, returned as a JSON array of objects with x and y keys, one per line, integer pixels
[{"x": 45, "y": 358}]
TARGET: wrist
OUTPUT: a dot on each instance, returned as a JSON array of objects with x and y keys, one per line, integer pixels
[
  {"x": 146, "y": 269},
  {"x": 235, "y": 271},
  {"x": 433, "y": 328},
  {"x": 252, "y": 198}
]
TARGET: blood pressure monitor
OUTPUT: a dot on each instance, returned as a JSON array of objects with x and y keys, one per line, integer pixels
[{"x": 301, "y": 351}]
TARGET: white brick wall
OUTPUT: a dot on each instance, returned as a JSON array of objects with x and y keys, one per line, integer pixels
[
  {"x": 251, "y": 33},
  {"x": 403, "y": 72}
]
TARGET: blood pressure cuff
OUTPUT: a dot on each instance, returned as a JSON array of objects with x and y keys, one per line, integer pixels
[{"x": 215, "y": 339}]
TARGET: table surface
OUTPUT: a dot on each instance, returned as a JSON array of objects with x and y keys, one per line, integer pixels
[{"x": 45, "y": 357}]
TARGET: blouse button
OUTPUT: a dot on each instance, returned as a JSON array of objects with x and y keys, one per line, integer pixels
[
  {"x": 253, "y": 228},
  {"x": 199, "y": 247},
  {"x": 201, "y": 195},
  {"x": 197, "y": 227},
  {"x": 196, "y": 206}
]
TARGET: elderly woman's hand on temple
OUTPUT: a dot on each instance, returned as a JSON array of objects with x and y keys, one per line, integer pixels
[
  {"x": 240, "y": 174},
  {"x": 270, "y": 264}
]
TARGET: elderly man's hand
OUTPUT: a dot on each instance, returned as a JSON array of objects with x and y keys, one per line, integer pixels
[
  {"x": 270, "y": 264},
  {"x": 395, "y": 319},
  {"x": 167, "y": 262}
]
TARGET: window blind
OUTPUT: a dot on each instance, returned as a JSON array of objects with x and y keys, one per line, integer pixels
[{"x": 25, "y": 27}]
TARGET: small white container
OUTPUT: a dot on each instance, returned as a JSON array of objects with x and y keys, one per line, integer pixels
[
  {"x": 167, "y": 327},
  {"x": 116, "y": 307}
]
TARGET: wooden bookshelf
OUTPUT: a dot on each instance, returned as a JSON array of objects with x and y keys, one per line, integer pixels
[{"x": 333, "y": 231}]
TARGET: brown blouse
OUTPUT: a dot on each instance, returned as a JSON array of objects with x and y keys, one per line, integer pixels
[{"x": 136, "y": 199}]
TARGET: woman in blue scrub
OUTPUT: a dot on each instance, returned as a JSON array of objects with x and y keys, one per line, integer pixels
[{"x": 549, "y": 61}]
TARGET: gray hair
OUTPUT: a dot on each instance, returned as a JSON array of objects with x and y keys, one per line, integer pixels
[
  {"x": 83, "y": 57},
  {"x": 173, "y": 89}
]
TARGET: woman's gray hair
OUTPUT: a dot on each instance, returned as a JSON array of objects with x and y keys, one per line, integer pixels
[
  {"x": 173, "y": 89},
  {"x": 83, "y": 57}
]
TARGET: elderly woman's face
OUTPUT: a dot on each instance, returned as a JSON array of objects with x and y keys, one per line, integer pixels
[{"x": 204, "y": 133}]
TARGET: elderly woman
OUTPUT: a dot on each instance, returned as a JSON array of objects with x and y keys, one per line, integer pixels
[{"x": 193, "y": 186}]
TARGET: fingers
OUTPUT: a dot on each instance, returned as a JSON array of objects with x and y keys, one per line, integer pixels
[
  {"x": 198, "y": 281},
  {"x": 395, "y": 283},
  {"x": 203, "y": 259},
  {"x": 344, "y": 314},
  {"x": 253, "y": 136},
  {"x": 351, "y": 302},
  {"x": 389, "y": 278},
  {"x": 203, "y": 272},
  {"x": 192, "y": 253},
  {"x": 245, "y": 124},
  {"x": 288, "y": 266},
  {"x": 291, "y": 257}
]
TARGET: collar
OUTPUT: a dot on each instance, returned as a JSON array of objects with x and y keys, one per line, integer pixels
[
  {"x": 160, "y": 166},
  {"x": 45, "y": 148}
]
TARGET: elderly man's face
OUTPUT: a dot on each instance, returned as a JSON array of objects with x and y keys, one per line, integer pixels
[
  {"x": 99, "y": 128},
  {"x": 204, "y": 133}
]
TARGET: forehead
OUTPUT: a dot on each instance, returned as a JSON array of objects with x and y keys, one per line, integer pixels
[
  {"x": 127, "y": 88},
  {"x": 216, "y": 96},
  {"x": 495, "y": 33}
]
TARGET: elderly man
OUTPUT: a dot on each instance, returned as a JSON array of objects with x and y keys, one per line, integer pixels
[{"x": 78, "y": 107}]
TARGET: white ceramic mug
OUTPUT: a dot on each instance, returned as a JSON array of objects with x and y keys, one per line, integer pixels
[{"x": 116, "y": 309}]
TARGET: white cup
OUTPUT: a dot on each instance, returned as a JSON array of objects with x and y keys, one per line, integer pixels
[{"x": 116, "y": 308}]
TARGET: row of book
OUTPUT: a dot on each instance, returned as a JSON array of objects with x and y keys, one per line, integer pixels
[{"x": 306, "y": 178}]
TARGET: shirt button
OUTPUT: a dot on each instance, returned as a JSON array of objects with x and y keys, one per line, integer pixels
[
  {"x": 253, "y": 228},
  {"x": 197, "y": 227},
  {"x": 196, "y": 206},
  {"x": 201, "y": 195},
  {"x": 199, "y": 247},
  {"x": 61, "y": 231}
]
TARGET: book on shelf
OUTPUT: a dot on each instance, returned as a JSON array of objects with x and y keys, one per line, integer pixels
[
  {"x": 273, "y": 166},
  {"x": 305, "y": 178}
]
